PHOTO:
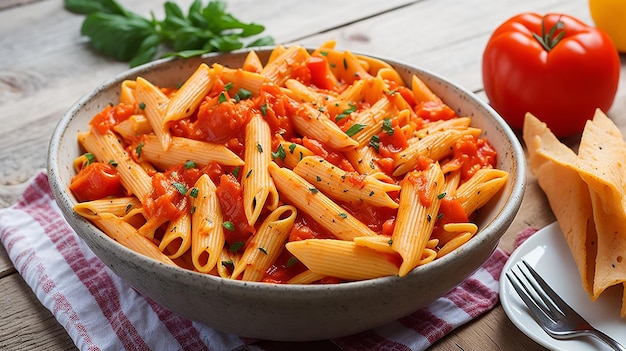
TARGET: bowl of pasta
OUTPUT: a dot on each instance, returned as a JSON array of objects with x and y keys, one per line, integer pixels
[{"x": 287, "y": 193}]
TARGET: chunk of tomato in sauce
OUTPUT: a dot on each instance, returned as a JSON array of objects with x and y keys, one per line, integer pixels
[{"x": 96, "y": 181}]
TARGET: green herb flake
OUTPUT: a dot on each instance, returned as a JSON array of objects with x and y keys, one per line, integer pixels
[
  {"x": 313, "y": 190},
  {"x": 228, "y": 264},
  {"x": 235, "y": 171},
  {"x": 375, "y": 142},
  {"x": 318, "y": 178},
  {"x": 342, "y": 215},
  {"x": 292, "y": 261},
  {"x": 280, "y": 153},
  {"x": 180, "y": 187},
  {"x": 139, "y": 148},
  {"x": 193, "y": 192},
  {"x": 227, "y": 86},
  {"x": 264, "y": 109},
  {"x": 113, "y": 163},
  {"x": 263, "y": 250},
  {"x": 190, "y": 164},
  {"x": 128, "y": 207},
  {"x": 259, "y": 147},
  {"x": 236, "y": 246},
  {"x": 222, "y": 98},
  {"x": 243, "y": 94},
  {"x": 441, "y": 196},
  {"x": 142, "y": 105},
  {"x": 390, "y": 242},
  {"x": 90, "y": 158},
  {"x": 355, "y": 128},
  {"x": 345, "y": 113},
  {"x": 248, "y": 174},
  {"x": 229, "y": 226},
  {"x": 292, "y": 147},
  {"x": 387, "y": 126}
]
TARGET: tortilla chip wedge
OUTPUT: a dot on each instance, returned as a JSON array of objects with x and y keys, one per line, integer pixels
[
  {"x": 554, "y": 166},
  {"x": 587, "y": 193}
]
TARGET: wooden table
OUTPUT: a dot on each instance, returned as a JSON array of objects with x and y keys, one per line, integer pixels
[{"x": 45, "y": 66}]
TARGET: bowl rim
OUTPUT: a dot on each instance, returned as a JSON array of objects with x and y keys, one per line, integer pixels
[{"x": 488, "y": 235}]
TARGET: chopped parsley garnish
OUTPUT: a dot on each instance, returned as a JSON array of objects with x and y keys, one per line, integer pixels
[
  {"x": 222, "y": 98},
  {"x": 90, "y": 158},
  {"x": 291, "y": 262},
  {"x": 142, "y": 105},
  {"x": 441, "y": 196},
  {"x": 263, "y": 250},
  {"x": 342, "y": 215},
  {"x": 193, "y": 192},
  {"x": 313, "y": 190},
  {"x": 375, "y": 142},
  {"x": 236, "y": 246},
  {"x": 248, "y": 174},
  {"x": 180, "y": 187},
  {"x": 346, "y": 112},
  {"x": 280, "y": 153},
  {"x": 227, "y": 86},
  {"x": 139, "y": 148},
  {"x": 190, "y": 164},
  {"x": 292, "y": 147},
  {"x": 264, "y": 109},
  {"x": 235, "y": 171},
  {"x": 228, "y": 264},
  {"x": 113, "y": 163},
  {"x": 387, "y": 127},
  {"x": 259, "y": 147},
  {"x": 355, "y": 128},
  {"x": 242, "y": 94},
  {"x": 229, "y": 225}
]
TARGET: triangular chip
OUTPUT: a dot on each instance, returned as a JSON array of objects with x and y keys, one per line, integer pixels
[
  {"x": 554, "y": 166},
  {"x": 602, "y": 158}
]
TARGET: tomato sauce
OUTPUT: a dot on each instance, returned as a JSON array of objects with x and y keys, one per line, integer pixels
[
  {"x": 110, "y": 116},
  {"x": 471, "y": 154}
]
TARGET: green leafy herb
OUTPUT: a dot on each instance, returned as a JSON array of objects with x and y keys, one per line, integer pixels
[
  {"x": 180, "y": 187},
  {"x": 263, "y": 250},
  {"x": 193, "y": 192},
  {"x": 229, "y": 225},
  {"x": 291, "y": 262},
  {"x": 139, "y": 148},
  {"x": 280, "y": 153},
  {"x": 259, "y": 147},
  {"x": 343, "y": 215},
  {"x": 441, "y": 196},
  {"x": 292, "y": 147},
  {"x": 126, "y": 36},
  {"x": 228, "y": 264},
  {"x": 222, "y": 98},
  {"x": 190, "y": 164},
  {"x": 242, "y": 94},
  {"x": 113, "y": 163},
  {"x": 142, "y": 105},
  {"x": 90, "y": 159},
  {"x": 387, "y": 127},
  {"x": 227, "y": 86},
  {"x": 355, "y": 128},
  {"x": 264, "y": 109},
  {"x": 346, "y": 112},
  {"x": 235, "y": 171},
  {"x": 375, "y": 142},
  {"x": 236, "y": 246}
]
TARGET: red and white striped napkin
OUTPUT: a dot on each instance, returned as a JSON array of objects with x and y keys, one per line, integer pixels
[{"x": 102, "y": 312}]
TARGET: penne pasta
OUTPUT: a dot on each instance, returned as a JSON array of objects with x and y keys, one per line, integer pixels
[
  {"x": 323, "y": 210},
  {"x": 419, "y": 205},
  {"x": 325, "y": 153}
]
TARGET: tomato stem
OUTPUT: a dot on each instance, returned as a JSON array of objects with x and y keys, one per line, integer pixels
[{"x": 548, "y": 39}]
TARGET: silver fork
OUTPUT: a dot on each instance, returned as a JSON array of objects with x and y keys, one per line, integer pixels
[{"x": 553, "y": 314}]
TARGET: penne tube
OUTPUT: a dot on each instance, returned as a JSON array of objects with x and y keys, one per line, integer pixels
[
  {"x": 342, "y": 259},
  {"x": 107, "y": 147},
  {"x": 480, "y": 188},
  {"x": 128, "y": 236},
  {"x": 177, "y": 237},
  {"x": 265, "y": 246},
  {"x": 306, "y": 277},
  {"x": 279, "y": 69},
  {"x": 127, "y": 92},
  {"x": 419, "y": 205},
  {"x": 187, "y": 99},
  {"x": 154, "y": 103},
  {"x": 434, "y": 146},
  {"x": 372, "y": 118},
  {"x": 345, "y": 186},
  {"x": 291, "y": 154},
  {"x": 259, "y": 190},
  {"x": 183, "y": 150},
  {"x": 207, "y": 232},
  {"x": 363, "y": 159},
  {"x": 120, "y": 206},
  {"x": 322, "y": 209},
  {"x": 317, "y": 125},
  {"x": 241, "y": 79}
]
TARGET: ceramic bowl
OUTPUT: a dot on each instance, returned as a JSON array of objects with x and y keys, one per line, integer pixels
[{"x": 290, "y": 312}]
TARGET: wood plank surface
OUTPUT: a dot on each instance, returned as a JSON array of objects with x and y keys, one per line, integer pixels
[{"x": 45, "y": 66}]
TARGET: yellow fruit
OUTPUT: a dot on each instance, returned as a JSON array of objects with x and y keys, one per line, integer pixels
[{"x": 610, "y": 16}]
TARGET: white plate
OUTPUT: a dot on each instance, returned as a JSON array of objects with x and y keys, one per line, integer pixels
[{"x": 548, "y": 253}]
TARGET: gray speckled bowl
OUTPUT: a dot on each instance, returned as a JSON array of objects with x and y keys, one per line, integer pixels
[{"x": 288, "y": 312}]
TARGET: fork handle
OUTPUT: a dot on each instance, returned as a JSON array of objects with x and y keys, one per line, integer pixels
[{"x": 608, "y": 340}]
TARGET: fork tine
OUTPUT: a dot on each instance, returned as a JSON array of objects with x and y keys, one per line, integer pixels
[
  {"x": 556, "y": 300},
  {"x": 522, "y": 291}
]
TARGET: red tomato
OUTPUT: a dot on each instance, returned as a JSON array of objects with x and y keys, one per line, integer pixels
[
  {"x": 96, "y": 181},
  {"x": 562, "y": 83},
  {"x": 321, "y": 76}
]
